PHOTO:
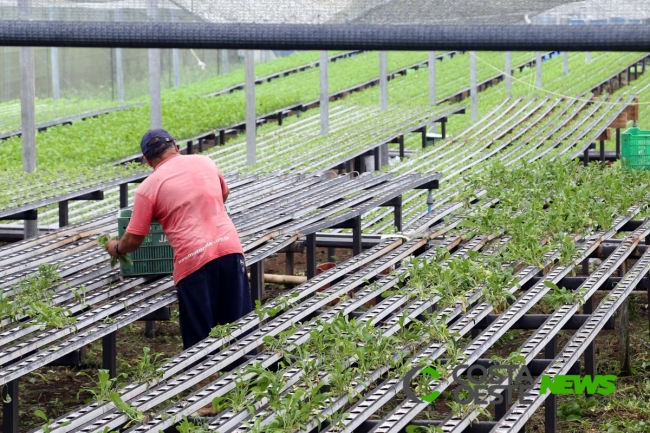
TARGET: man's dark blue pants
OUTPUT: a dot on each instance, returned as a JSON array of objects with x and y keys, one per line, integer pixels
[{"x": 216, "y": 294}]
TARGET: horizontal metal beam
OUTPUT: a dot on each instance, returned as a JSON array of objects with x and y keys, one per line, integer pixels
[
  {"x": 572, "y": 283},
  {"x": 535, "y": 321},
  {"x": 324, "y": 36},
  {"x": 29, "y": 215},
  {"x": 536, "y": 366}
]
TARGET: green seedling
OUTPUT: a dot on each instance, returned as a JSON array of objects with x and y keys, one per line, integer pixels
[
  {"x": 46, "y": 427},
  {"x": 123, "y": 259}
]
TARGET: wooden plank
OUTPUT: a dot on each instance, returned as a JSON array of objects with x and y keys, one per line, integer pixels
[
  {"x": 606, "y": 135},
  {"x": 620, "y": 122}
]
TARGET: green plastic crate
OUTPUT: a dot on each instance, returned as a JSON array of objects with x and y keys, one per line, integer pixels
[
  {"x": 635, "y": 149},
  {"x": 154, "y": 257}
]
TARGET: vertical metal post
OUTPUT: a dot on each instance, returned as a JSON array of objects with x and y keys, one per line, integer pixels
[
  {"x": 585, "y": 157},
  {"x": 311, "y": 255},
  {"x": 124, "y": 195},
  {"x": 432, "y": 77},
  {"x": 443, "y": 128},
  {"x": 508, "y": 73},
  {"x": 150, "y": 329},
  {"x": 565, "y": 62},
  {"x": 383, "y": 81},
  {"x": 119, "y": 66},
  {"x": 357, "y": 247},
  {"x": 324, "y": 93},
  {"x": 109, "y": 354},
  {"x": 155, "y": 98},
  {"x": 618, "y": 142},
  {"x": 331, "y": 253},
  {"x": 588, "y": 58},
  {"x": 10, "y": 409},
  {"x": 190, "y": 147},
  {"x": 602, "y": 151},
  {"x": 624, "y": 336},
  {"x": 176, "y": 59},
  {"x": 28, "y": 111},
  {"x": 63, "y": 213},
  {"x": 257, "y": 281},
  {"x": 472, "y": 86},
  {"x": 289, "y": 263},
  {"x": 538, "y": 64},
  {"x": 54, "y": 60},
  {"x": 224, "y": 61},
  {"x": 550, "y": 405},
  {"x": 401, "y": 146},
  {"x": 398, "y": 213},
  {"x": 251, "y": 123},
  {"x": 590, "y": 352}
]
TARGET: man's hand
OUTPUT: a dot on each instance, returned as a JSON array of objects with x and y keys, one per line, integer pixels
[{"x": 110, "y": 247}]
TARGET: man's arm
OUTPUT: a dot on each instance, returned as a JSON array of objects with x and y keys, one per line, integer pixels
[
  {"x": 137, "y": 229},
  {"x": 127, "y": 244}
]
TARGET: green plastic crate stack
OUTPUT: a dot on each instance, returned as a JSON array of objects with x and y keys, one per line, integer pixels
[
  {"x": 154, "y": 257},
  {"x": 635, "y": 149}
]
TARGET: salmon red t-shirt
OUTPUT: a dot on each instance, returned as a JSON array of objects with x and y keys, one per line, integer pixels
[{"x": 185, "y": 195}]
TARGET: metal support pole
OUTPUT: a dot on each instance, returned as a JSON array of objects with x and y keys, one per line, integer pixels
[
  {"x": 109, "y": 354},
  {"x": 324, "y": 93},
  {"x": 63, "y": 213},
  {"x": 624, "y": 337},
  {"x": 550, "y": 405},
  {"x": 28, "y": 111},
  {"x": 190, "y": 147},
  {"x": 590, "y": 352},
  {"x": 331, "y": 253},
  {"x": 472, "y": 86},
  {"x": 423, "y": 131},
  {"x": 150, "y": 329},
  {"x": 224, "y": 61},
  {"x": 648, "y": 290},
  {"x": 565, "y": 63},
  {"x": 398, "y": 213},
  {"x": 124, "y": 195},
  {"x": 310, "y": 244},
  {"x": 289, "y": 263},
  {"x": 356, "y": 236},
  {"x": 176, "y": 59},
  {"x": 602, "y": 151},
  {"x": 54, "y": 60},
  {"x": 251, "y": 124},
  {"x": 508, "y": 73},
  {"x": 383, "y": 81},
  {"x": 10, "y": 409},
  {"x": 155, "y": 96},
  {"x": 119, "y": 66},
  {"x": 432, "y": 77},
  {"x": 376, "y": 158},
  {"x": 383, "y": 155},
  {"x": 443, "y": 128},
  {"x": 257, "y": 281},
  {"x": 401, "y": 147},
  {"x": 538, "y": 65},
  {"x": 585, "y": 157}
]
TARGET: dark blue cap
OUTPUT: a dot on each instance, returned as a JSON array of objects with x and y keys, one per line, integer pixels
[{"x": 147, "y": 143}]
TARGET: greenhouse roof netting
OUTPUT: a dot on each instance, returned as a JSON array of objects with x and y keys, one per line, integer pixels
[
  {"x": 329, "y": 24},
  {"x": 463, "y": 12}
]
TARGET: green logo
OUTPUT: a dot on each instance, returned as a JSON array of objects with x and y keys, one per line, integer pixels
[{"x": 498, "y": 381}]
